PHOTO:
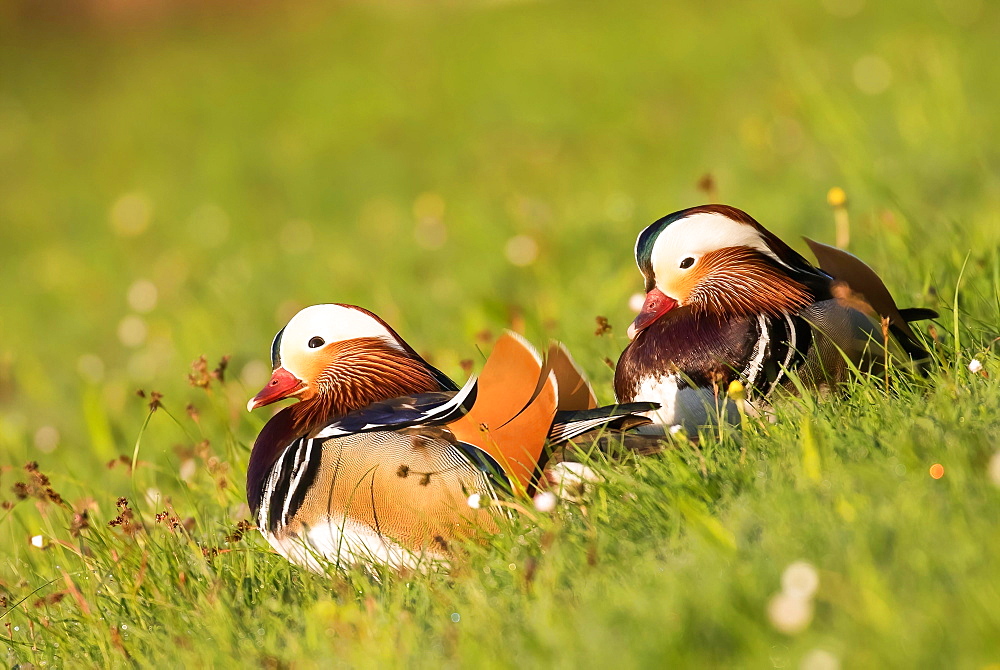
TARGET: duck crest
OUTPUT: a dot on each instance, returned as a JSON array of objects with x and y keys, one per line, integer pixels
[
  {"x": 365, "y": 370},
  {"x": 791, "y": 260},
  {"x": 743, "y": 282}
]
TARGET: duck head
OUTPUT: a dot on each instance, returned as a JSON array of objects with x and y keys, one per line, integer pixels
[
  {"x": 717, "y": 259},
  {"x": 336, "y": 358}
]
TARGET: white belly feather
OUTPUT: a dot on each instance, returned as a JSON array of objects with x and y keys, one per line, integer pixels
[
  {"x": 342, "y": 542},
  {"x": 688, "y": 407}
]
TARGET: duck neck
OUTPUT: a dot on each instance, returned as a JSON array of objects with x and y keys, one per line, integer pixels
[{"x": 277, "y": 433}]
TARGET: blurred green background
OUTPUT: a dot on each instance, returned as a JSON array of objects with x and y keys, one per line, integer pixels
[{"x": 176, "y": 179}]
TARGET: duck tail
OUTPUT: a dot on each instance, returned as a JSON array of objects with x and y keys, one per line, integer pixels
[
  {"x": 515, "y": 404},
  {"x": 861, "y": 279},
  {"x": 570, "y": 424}
]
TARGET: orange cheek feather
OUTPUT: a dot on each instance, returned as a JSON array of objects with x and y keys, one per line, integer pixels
[
  {"x": 319, "y": 365},
  {"x": 684, "y": 286},
  {"x": 740, "y": 280}
]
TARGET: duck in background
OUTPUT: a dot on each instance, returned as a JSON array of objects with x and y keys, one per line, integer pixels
[
  {"x": 727, "y": 300},
  {"x": 374, "y": 417}
]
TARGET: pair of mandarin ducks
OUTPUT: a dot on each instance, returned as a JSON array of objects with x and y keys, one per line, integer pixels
[{"x": 384, "y": 460}]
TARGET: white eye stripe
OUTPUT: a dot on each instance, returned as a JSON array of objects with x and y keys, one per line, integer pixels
[
  {"x": 318, "y": 325},
  {"x": 702, "y": 233}
]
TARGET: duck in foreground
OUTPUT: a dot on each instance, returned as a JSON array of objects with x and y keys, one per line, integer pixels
[
  {"x": 727, "y": 300},
  {"x": 377, "y": 461}
]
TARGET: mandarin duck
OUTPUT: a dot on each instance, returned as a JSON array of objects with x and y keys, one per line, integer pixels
[
  {"x": 727, "y": 300},
  {"x": 376, "y": 462}
]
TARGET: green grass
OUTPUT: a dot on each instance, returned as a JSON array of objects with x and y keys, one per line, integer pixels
[{"x": 303, "y": 155}]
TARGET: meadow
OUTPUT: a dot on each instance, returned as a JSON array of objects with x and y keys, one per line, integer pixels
[{"x": 176, "y": 185}]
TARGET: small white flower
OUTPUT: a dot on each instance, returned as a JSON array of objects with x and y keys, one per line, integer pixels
[
  {"x": 800, "y": 580},
  {"x": 975, "y": 366},
  {"x": 546, "y": 501},
  {"x": 47, "y": 439},
  {"x": 569, "y": 480},
  {"x": 676, "y": 428},
  {"x": 577, "y": 472},
  {"x": 38, "y": 541},
  {"x": 475, "y": 501},
  {"x": 789, "y": 614}
]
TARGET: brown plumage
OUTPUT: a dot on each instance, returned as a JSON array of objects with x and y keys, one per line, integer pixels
[
  {"x": 356, "y": 373},
  {"x": 728, "y": 300},
  {"x": 335, "y": 359},
  {"x": 382, "y": 451},
  {"x": 400, "y": 497},
  {"x": 357, "y": 359},
  {"x": 741, "y": 281}
]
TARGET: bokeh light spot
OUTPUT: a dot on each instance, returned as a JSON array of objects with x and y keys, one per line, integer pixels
[
  {"x": 46, "y": 439},
  {"x": 872, "y": 74},
  {"x": 800, "y": 580},
  {"x": 90, "y": 367},
  {"x": 131, "y": 214},
  {"x": 937, "y": 471},
  {"x": 255, "y": 374},
  {"x": 430, "y": 233},
  {"x": 142, "y": 296},
  {"x": 636, "y": 301},
  {"x": 789, "y": 614},
  {"x": 428, "y": 206},
  {"x": 820, "y": 659},
  {"x": 132, "y": 331},
  {"x": 188, "y": 469},
  {"x": 521, "y": 250}
]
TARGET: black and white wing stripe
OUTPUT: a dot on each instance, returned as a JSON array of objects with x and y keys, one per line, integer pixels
[
  {"x": 425, "y": 409},
  {"x": 782, "y": 345},
  {"x": 570, "y": 424},
  {"x": 291, "y": 476}
]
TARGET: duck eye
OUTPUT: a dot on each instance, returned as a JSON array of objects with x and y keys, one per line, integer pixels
[
  {"x": 686, "y": 263},
  {"x": 316, "y": 343}
]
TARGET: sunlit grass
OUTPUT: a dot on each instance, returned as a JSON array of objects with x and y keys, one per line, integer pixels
[
  {"x": 178, "y": 190},
  {"x": 680, "y": 554}
]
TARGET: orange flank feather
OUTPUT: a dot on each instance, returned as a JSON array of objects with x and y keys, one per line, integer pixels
[
  {"x": 513, "y": 412},
  {"x": 575, "y": 392}
]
